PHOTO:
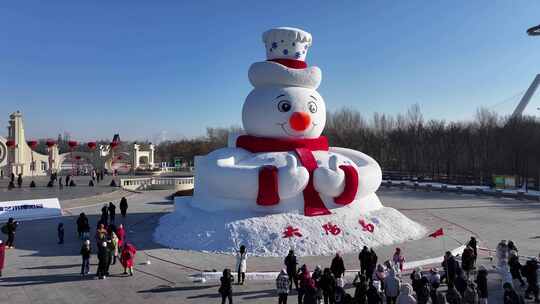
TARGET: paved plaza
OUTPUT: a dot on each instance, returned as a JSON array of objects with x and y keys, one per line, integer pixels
[{"x": 40, "y": 271}]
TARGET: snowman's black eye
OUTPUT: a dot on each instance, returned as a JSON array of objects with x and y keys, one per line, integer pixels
[
  {"x": 312, "y": 107},
  {"x": 284, "y": 106}
]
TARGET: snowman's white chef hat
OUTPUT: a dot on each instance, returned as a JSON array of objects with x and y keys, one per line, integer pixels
[
  {"x": 286, "y": 50},
  {"x": 286, "y": 43}
]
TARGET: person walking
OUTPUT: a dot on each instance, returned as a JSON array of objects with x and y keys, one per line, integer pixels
[
  {"x": 114, "y": 247},
  {"x": 282, "y": 286},
  {"x": 398, "y": 259},
  {"x": 104, "y": 214},
  {"x": 450, "y": 266},
  {"x": 85, "y": 252},
  {"x": 290, "y": 264},
  {"x": 101, "y": 234},
  {"x": 60, "y": 183},
  {"x": 112, "y": 212},
  {"x": 467, "y": 260},
  {"x": 121, "y": 234},
  {"x": 123, "y": 206},
  {"x": 60, "y": 232},
  {"x": 127, "y": 258},
  {"x": 452, "y": 294},
  {"x": 471, "y": 295},
  {"x": 531, "y": 274},
  {"x": 364, "y": 258},
  {"x": 405, "y": 295},
  {"x": 473, "y": 243},
  {"x": 372, "y": 264},
  {"x": 391, "y": 286},
  {"x": 337, "y": 266},
  {"x": 510, "y": 295},
  {"x": 328, "y": 285},
  {"x": 304, "y": 278},
  {"x": 481, "y": 281},
  {"x": 19, "y": 180},
  {"x": 82, "y": 220},
  {"x": 103, "y": 256},
  {"x": 435, "y": 282},
  {"x": 10, "y": 228},
  {"x": 423, "y": 293},
  {"x": 68, "y": 179},
  {"x": 241, "y": 264},
  {"x": 373, "y": 294},
  {"x": 515, "y": 267},
  {"x": 361, "y": 288},
  {"x": 225, "y": 287}
]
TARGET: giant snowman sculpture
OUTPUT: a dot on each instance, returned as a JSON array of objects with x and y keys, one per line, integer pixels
[{"x": 279, "y": 185}]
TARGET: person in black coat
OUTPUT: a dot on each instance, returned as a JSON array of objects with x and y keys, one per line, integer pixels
[
  {"x": 482, "y": 285},
  {"x": 450, "y": 266},
  {"x": 290, "y": 265},
  {"x": 338, "y": 266},
  {"x": 531, "y": 274},
  {"x": 104, "y": 215},
  {"x": 364, "y": 258},
  {"x": 19, "y": 180},
  {"x": 510, "y": 295},
  {"x": 123, "y": 206},
  {"x": 371, "y": 265},
  {"x": 112, "y": 212},
  {"x": 328, "y": 286},
  {"x": 225, "y": 288},
  {"x": 11, "y": 227},
  {"x": 373, "y": 295},
  {"x": 467, "y": 260},
  {"x": 103, "y": 257},
  {"x": 473, "y": 243},
  {"x": 515, "y": 267}
]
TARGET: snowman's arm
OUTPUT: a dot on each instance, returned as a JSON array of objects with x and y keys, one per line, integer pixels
[
  {"x": 369, "y": 171},
  {"x": 220, "y": 172}
]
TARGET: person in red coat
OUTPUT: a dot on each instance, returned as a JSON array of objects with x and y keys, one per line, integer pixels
[
  {"x": 121, "y": 234},
  {"x": 128, "y": 258},
  {"x": 2, "y": 256}
]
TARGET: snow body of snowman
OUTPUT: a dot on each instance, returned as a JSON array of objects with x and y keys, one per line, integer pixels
[{"x": 282, "y": 163}]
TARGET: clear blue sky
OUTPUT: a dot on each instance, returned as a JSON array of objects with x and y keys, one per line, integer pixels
[{"x": 146, "y": 67}]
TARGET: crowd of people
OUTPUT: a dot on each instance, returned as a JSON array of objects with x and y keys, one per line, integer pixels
[{"x": 389, "y": 282}]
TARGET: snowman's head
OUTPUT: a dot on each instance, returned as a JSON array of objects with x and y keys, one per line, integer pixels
[
  {"x": 284, "y": 102},
  {"x": 284, "y": 112}
]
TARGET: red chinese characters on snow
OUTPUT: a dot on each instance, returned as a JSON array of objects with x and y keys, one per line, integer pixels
[
  {"x": 290, "y": 231},
  {"x": 366, "y": 226},
  {"x": 331, "y": 228}
]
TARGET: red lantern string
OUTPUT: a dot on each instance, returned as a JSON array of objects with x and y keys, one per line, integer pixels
[
  {"x": 10, "y": 143},
  {"x": 50, "y": 143},
  {"x": 92, "y": 145}
]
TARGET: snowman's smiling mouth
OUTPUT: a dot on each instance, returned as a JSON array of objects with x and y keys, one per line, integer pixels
[{"x": 283, "y": 126}]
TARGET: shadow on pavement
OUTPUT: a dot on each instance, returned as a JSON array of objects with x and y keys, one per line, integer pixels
[
  {"x": 160, "y": 289},
  {"x": 42, "y": 279},
  {"x": 50, "y": 267},
  {"x": 247, "y": 295}
]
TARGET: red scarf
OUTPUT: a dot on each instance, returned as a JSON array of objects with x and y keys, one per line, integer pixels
[{"x": 268, "y": 177}]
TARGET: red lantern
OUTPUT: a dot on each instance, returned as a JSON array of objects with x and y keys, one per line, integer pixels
[
  {"x": 114, "y": 144},
  {"x": 10, "y": 143},
  {"x": 91, "y": 145},
  {"x": 72, "y": 144},
  {"x": 50, "y": 143},
  {"x": 77, "y": 157},
  {"x": 32, "y": 144}
]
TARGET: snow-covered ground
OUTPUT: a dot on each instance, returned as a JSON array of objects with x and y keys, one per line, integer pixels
[{"x": 346, "y": 231}]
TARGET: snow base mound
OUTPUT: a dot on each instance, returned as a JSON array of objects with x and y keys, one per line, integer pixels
[{"x": 190, "y": 228}]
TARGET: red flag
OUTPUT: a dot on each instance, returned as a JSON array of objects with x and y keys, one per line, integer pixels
[{"x": 439, "y": 232}]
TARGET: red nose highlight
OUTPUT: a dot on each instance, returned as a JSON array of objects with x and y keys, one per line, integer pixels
[{"x": 300, "y": 121}]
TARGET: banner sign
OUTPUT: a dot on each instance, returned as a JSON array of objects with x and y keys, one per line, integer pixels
[{"x": 30, "y": 209}]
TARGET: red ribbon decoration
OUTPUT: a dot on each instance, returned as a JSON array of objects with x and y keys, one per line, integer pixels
[
  {"x": 290, "y": 232},
  {"x": 366, "y": 226},
  {"x": 330, "y": 228}
]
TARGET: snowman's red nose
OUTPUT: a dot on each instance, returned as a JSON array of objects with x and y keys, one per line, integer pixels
[{"x": 300, "y": 121}]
